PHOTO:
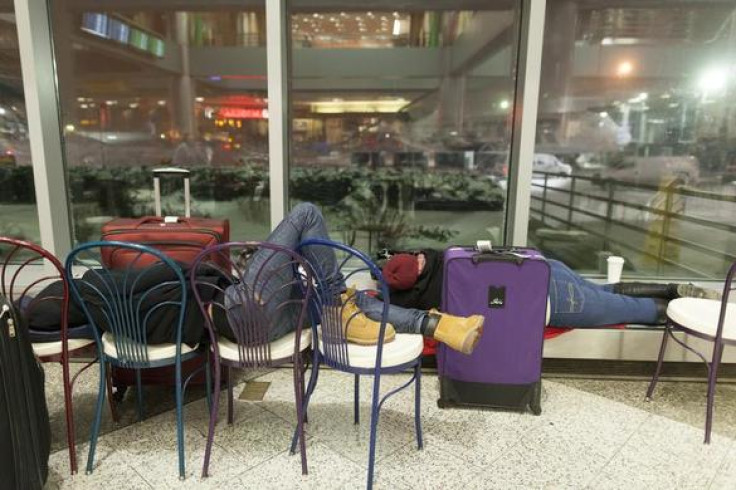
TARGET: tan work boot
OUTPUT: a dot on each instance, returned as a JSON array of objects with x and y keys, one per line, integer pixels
[
  {"x": 457, "y": 332},
  {"x": 361, "y": 329}
]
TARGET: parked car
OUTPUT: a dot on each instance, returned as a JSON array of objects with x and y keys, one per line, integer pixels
[
  {"x": 652, "y": 170},
  {"x": 496, "y": 164},
  {"x": 550, "y": 164}
]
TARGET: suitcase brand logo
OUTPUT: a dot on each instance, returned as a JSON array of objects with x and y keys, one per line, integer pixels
[{"x": 496, "y": 296}]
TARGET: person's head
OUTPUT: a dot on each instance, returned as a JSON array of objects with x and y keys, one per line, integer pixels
[{"x": 402, "y": 271}]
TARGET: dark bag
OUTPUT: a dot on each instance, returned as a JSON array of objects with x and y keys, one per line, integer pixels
[
  {"x": 509, "y": 288},
  {"x": 25, "y": 434}
]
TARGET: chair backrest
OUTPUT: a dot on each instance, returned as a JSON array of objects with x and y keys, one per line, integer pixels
[
  {"x": 128, "y": 301},
  {"x": 260, "y": 290},
  {"x": 727, "y": 288},
  {"x": 26, "y": 269},
  {"x": 335, "y": 264}
]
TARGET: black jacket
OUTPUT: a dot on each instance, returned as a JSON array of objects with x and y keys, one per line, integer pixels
[{"x": 162, "y": 281}]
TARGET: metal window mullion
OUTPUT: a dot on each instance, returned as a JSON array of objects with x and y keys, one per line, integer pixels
[
  {"x": 44, "y": 121},
  {"x": 277, "y": 53},
  {"x": 525, "y": 121}
]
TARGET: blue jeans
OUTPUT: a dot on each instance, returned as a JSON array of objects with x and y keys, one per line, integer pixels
[
  {"x": 303, "y": 222},
  {"x": 576, "y": 302}
]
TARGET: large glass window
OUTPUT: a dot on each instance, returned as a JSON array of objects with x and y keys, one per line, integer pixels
[
  {"x": 401, "y": 120},
  {"x": 636, "y": 137},
  {"x": 141, "y": 89},
  {"x": 18, "y": 213}
]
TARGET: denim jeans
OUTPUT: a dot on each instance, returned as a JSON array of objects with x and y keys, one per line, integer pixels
[
  {"x": 576, "y": 302},
  {"x": 303, "y": 222}
]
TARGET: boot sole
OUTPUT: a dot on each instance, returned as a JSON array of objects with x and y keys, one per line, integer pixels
[
  {"x": 370, "y": 342},
  {"x": 693, "y": 291},
  {"x": 473, "y": 336}
]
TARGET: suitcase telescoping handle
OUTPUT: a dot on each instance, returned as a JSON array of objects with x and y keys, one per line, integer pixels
[
  {"x": 172, "y": 171},
  {"x": 486, "y": 253}
]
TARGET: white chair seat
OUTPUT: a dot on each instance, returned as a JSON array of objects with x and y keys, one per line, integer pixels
[
  {"x": 280, "y": 348},
  {"x": 701, "y": 315},
  {"x": 45, "y": 349},
  {"x": 404, "y": 348},
  {"x": 156, "y": 352}
]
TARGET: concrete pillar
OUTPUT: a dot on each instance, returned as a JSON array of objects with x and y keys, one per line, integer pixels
[{"x": 184, "y": 93}]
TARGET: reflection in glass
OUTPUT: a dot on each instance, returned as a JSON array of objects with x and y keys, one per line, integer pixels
[
  {"x": 18, "y": 213},
  {"x": 639, "y": 104},
  {"x": 401, "y": 121},
  {"x": 141, "y": 89}
]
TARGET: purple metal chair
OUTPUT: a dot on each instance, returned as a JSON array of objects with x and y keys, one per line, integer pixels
[
  {"x": 36, "y": 268},
  {"x": 260, "y": 295},
  {"x": 707, "y": 319},
  {"x": 331, "y": 346}
]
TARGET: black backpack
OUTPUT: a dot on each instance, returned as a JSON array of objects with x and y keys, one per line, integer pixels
[{"x": 25, "y": 434}]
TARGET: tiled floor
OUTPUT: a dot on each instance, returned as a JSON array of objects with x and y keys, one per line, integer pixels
[{"x": 582, "y": 440}]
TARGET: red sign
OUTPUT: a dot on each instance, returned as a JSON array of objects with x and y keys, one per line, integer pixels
[{"x": 242, "y": 113}]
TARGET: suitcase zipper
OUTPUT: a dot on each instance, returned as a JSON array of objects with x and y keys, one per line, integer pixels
[{"x": 214, "y": 234}]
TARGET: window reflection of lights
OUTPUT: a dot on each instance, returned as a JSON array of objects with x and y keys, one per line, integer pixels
[
  {"x": 162, "y": 136},
  {"x": 665, "y": 96},
  {"x": 713, "y": 80},
  {"x": 397, "y": 27},
  {"x": 133, "y": 105},
  {"x": 625, "y": 68},
  {"x": 199, "y": 99},
  {"x": 80, "y": 99},
  {"x": 603, "y": 114},
  {"x": 673, "y": 105},
  {"x": 396, "y": 14},
  {"x": 69, "y": 128},
  {"x": 358, "y": 106},
  {"x": 343, "y": 14},
  {"x": 83, "y": 106},
  {"x": 111, "y": 137},
  {"x": 370, "y": 14},
  {"x": 161, "y": 102},
  {"x": 315, "y": 16},
  {"x": 504, "y": 104},
  {"x": 112, "y": 102}
]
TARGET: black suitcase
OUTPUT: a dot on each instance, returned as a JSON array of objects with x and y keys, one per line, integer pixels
[{"x": 25, "y": 434}]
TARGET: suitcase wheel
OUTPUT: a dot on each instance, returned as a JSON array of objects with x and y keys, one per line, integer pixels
[
  {"x": 536, "y": 409},
  {"x": 442, "y": 403}
]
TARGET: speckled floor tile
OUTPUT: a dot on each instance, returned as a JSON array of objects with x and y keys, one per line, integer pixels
[
  {"x": 725, "y": 478},
  {"x": 664, "y": 454},
  {"x": 327, "y": 469}
]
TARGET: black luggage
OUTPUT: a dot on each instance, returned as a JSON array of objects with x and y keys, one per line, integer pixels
[{"x": 25, "y": 434}]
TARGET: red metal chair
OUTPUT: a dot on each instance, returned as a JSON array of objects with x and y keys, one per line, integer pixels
[{"x": 25, "y": 269}]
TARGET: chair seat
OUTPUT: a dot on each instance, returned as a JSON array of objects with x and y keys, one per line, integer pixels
[
  {"x": 280, "y": 348},
  {"x": 404, "y": 348},
  {"x": 45, "y": 349},
  {"x": 156, "y": 352},
  {"x": 701, "y": 315}
]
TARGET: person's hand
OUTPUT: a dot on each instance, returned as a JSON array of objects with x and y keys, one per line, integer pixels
[{"x": 421, "y": 261}]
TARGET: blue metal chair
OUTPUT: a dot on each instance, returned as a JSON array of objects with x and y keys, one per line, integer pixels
[
  {"x": 331, "y": 347},
  {"x": 260, "y": 288},
  {"x": 117, "y": 303}
]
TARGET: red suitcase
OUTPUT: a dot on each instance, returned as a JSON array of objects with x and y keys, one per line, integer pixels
[{"x": 180, "y": 238}]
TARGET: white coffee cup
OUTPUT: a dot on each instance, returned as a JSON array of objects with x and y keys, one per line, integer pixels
[{"x": 615, "y": 268}]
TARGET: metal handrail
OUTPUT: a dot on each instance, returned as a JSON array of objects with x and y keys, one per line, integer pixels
[{"x": 667, "y": 215}]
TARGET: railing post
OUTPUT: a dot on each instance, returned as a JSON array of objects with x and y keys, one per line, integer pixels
[
  {"x": 609, "y": 214},
  {"x": 669, "y": 191},
  {"x": 570, "y": 203},
  {"x": 544, "y": 199}
]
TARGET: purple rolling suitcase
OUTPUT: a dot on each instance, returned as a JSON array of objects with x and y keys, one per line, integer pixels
[{"x": 509, "y": 287}]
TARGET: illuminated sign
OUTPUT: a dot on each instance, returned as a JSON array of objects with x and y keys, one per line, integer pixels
[{"x": 242, "y": 113}]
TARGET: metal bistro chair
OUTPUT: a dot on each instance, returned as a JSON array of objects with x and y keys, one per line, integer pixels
[
  {"x": 403, "y": 353},
  {"x": 706, "y": 319},
  {"x": 257, "y": 283},
  {"x": 111, "y": 298},
  {"x": 36, "y": 268}
]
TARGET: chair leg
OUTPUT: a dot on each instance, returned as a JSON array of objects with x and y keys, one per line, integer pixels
[
  {"x": 418, "y": 405},
  {"x": 98, "y": 417},
  {"x": 208, "y": 381},
  {"x": 110, "y": 396},
  {"x": 660, "y": 360},
  {"x": 356, "y": 401},
  {"x": 299, "y": 397},
  {"x": 69, "y": 415},
  {"x": 712, "y": 377},
  {"x": 310, "y": 389},
  {"x": 139, "y": 393},
  {"x": 180, "y": 420},
  {"x": 213, "y": 420},
  {"x": 374, "y": 427},
  {"x": 230, "y": 396}
]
